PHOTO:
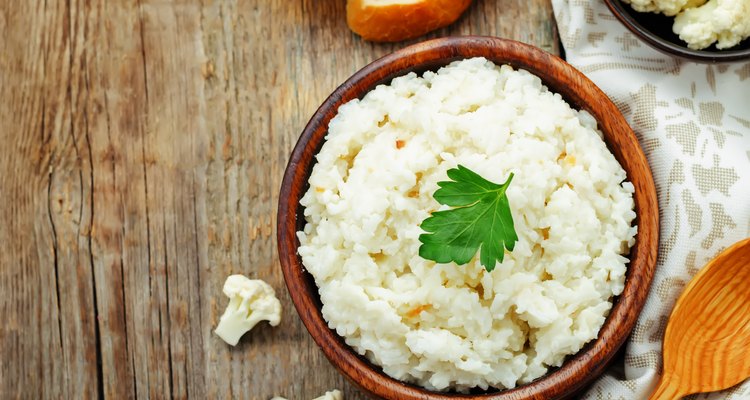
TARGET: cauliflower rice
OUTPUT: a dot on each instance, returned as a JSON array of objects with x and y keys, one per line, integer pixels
[{"x": 448, "y": 326}]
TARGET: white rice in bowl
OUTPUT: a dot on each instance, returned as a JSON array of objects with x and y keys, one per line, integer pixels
[{"x": 448, "y": 326}]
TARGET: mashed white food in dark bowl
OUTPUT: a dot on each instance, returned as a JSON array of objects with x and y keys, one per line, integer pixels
[{"x": 448, "y": 326}]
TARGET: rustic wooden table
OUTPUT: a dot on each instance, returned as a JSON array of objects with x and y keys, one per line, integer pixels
[{"x": 143, "y": 145}]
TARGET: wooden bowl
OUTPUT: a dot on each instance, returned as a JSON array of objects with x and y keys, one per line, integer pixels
[
  {"x": 656, "y": 31},
  {"x": 560, "y": 77}
]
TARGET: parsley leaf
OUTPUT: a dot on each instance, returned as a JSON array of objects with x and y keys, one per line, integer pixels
[{"x": 481, "y": 219}]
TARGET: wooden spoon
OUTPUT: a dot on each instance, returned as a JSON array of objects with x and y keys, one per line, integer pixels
[{"x": 707, "y": 343}]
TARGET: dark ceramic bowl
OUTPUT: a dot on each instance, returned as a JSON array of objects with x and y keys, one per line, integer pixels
[
  {"x": 656, "y": 30},
  {"x": 577, "y": 90}
]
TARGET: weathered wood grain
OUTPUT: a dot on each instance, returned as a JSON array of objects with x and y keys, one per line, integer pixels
[{"x": 143, "y": 144}]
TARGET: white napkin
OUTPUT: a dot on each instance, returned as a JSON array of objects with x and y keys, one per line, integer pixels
[{"x": 693, "y": 123}]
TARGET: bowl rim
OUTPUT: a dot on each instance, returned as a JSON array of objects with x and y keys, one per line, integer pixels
[
  {"x": 665, "y": 46},
  {"x": 578, "y": 369}
]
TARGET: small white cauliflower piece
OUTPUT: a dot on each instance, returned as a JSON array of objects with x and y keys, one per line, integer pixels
[
  {"x": 250, "y": 301},
  {"x": 332, "y": 395},
  {"x": 724, "y": 21},
  {"x": 666, "y": 7}
]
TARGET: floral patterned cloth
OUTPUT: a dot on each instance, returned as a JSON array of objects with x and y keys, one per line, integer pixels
[{"x": 693, "y": 123}]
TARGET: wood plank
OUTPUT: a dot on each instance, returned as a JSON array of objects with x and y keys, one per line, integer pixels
[
  {"x": 115, "y": 114},
  {"x": 144, "y": 147},
  {"x": 46, "y": 279},
  {"x": 175, "y": 158}
]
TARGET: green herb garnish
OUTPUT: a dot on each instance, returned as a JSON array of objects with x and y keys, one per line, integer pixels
[{"x": 481, "y": 218}]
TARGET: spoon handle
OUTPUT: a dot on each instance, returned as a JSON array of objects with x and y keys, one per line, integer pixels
[{"x": 668, "y": 389}]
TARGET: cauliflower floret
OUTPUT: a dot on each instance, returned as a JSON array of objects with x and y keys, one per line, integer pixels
[
  {"x": 666, "y": 7},
  {"x": 250, "y": 301},
  {"x": 332, "y": 395},
  {"x": 725, "y": 21}
]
